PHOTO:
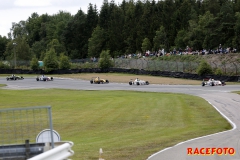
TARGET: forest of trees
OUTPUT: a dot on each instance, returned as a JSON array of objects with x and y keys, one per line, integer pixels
[{"x": 126, "y": 28}]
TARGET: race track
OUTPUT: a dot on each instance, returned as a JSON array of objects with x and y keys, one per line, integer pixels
[{"x": 220, "y": 97}]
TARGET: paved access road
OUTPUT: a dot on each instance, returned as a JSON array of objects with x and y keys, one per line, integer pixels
[{"x": 220, "y": 97}]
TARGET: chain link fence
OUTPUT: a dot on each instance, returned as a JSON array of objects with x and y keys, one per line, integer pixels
[
  {"x": 20, "y": 124},
  {"x": 227, "y": 68},
  {"x": 156, "y": 65}
]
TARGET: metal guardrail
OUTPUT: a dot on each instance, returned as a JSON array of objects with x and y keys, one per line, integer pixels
[
  {"x": 37, "y": 151},
  {"x": 21, "y": 151},
  {"x": 60, "y": 152}
]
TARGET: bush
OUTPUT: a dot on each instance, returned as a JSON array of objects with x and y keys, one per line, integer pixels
[
  {"x": 4, "y": 65},
  {"x": 105, "y": 60},
  {"x": 64, "y": 62},
  {"x": 218, "y": 72},
  {"x": 204, "y": 68},
  {"x": 34, "y": 64},
  {"x": 50, "y": 61}
]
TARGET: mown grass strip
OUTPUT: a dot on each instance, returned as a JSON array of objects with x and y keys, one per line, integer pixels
[
  {"x": 127, "y": 125},
  {"x": 3, "y": 85}
]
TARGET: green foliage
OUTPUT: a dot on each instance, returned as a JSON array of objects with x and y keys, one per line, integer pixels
[
  {"x": 182, "y": 58},
  {"x": 197, "y": 24},
  {"x": 38, "y": 48},
  {"x": 218, "y": 72},
  {"x": 4, "y": 65},
  {"x": 34, "y": 64},
  {"x": 88, "y": 65},
  {"x": 146, "y": 45},
  {"x": 96, "y": 42},
  {"x": 59, "y": 48},
  {"x": 64, "y": 62},
  {"x": 204, "y": 68},
  {"x": 3, "y": 44},
  {"x": 76, "y": 35},
  {"x": 18, "y": 48},
  {"x": 50, "y": 61},
  {"x": 105, "y": 60},
  {"x": 160, "y": 39},
  {"x": 180, "y": 39}
]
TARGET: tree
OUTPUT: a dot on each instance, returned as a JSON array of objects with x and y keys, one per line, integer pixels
[
  {"x": 75, "y": 36},
  {"x": 23, "y": 51},
  {"x": 204, "y": 68},
  {"x": 96, "y": 42},
  {"x": 226, "y": 24},
  {"x": 129, "y": 30},
  {"x": 59, "y": 48},
  {"x": 3, "y": 44},
  {"x": 20, "y": 51},
  {"x": 33, "y": 25},
  {"x": 160, "y": 38},
  {"x": 34, "y": 64},
  {"x": 105, "y": 60},
  {"x": 207, "y": 25},
  {"x": 50, "y": 61},
  {"x": 115, "y": 28},
  {"x": 146, "y": 45},
  {"x": 179, "y": 41},
  {"x": 38, "y": 48},
  {"x": 236, "y": 40},
  {"x": 91, "y": 20},
  {"x": 64, "y": 62}
]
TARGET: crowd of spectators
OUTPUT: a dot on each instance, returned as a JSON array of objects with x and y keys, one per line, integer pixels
[{"x": 187, "y": 51}]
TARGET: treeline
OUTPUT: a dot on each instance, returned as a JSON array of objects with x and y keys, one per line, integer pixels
[{"x": 126, "y": 28}]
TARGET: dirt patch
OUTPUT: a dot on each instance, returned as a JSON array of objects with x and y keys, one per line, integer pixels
[{"x": 125, "y": 78}]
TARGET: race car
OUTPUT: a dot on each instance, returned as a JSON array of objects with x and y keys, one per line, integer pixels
[
  {"x": 97, "y": 80},
  {"x": 14, "y": 77},
  {"x": 44, "y": 78},
  {"x": 138, "y": 82},
  {"x": 212, "y": 82}
]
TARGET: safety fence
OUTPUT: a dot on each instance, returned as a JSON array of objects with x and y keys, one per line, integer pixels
[
  {"x": 20, "y": 127},
  {"x": 227, "y": 67}
]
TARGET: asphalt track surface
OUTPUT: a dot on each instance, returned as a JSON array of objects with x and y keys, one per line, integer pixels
[{"x": 220, "y": 97}]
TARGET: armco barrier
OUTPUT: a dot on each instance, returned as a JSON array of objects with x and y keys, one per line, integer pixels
[
  {"x": 122, "y": 70},
  {"x": 60, "y": 152}
]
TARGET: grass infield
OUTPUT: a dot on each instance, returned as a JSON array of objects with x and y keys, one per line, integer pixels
[
  {"x": 3, "y": 85},
  {"x": 127, "y": 125}
]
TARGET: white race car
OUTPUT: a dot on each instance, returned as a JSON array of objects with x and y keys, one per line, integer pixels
[
  {"x": 212, "y": 82},
  {"x": 44, "y": 78},
  {"x": 138, "y": 82}
]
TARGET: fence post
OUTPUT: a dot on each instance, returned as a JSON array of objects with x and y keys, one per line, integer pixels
[
  {"x": 177, "y": 65},
  {"x": 235, "y": 67}
]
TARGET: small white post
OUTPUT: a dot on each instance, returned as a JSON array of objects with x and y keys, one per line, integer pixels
[{"x": 100, "y": 154}]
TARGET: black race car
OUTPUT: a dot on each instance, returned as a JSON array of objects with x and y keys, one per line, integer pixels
[{"x": 14, "y": 77}]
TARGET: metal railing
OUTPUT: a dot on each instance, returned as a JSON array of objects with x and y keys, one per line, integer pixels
[
  {"x": 60, "y": 152},
  {"x": 229, "y": 68}
]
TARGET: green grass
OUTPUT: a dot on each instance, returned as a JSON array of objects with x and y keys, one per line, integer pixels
[
  {"x": 24, "y": 75},
  {"x": 3, "y": 85},
  {"x": 127, "y": 125}
]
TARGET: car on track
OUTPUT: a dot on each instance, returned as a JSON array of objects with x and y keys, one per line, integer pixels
[
  {"x": 213, "y": 82},
  {"x": 44, "y": 78},
  {"x": 97, "y": 80},
  {"x": 138, "y": 82},
  {"x": 14, "y": 77}
]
